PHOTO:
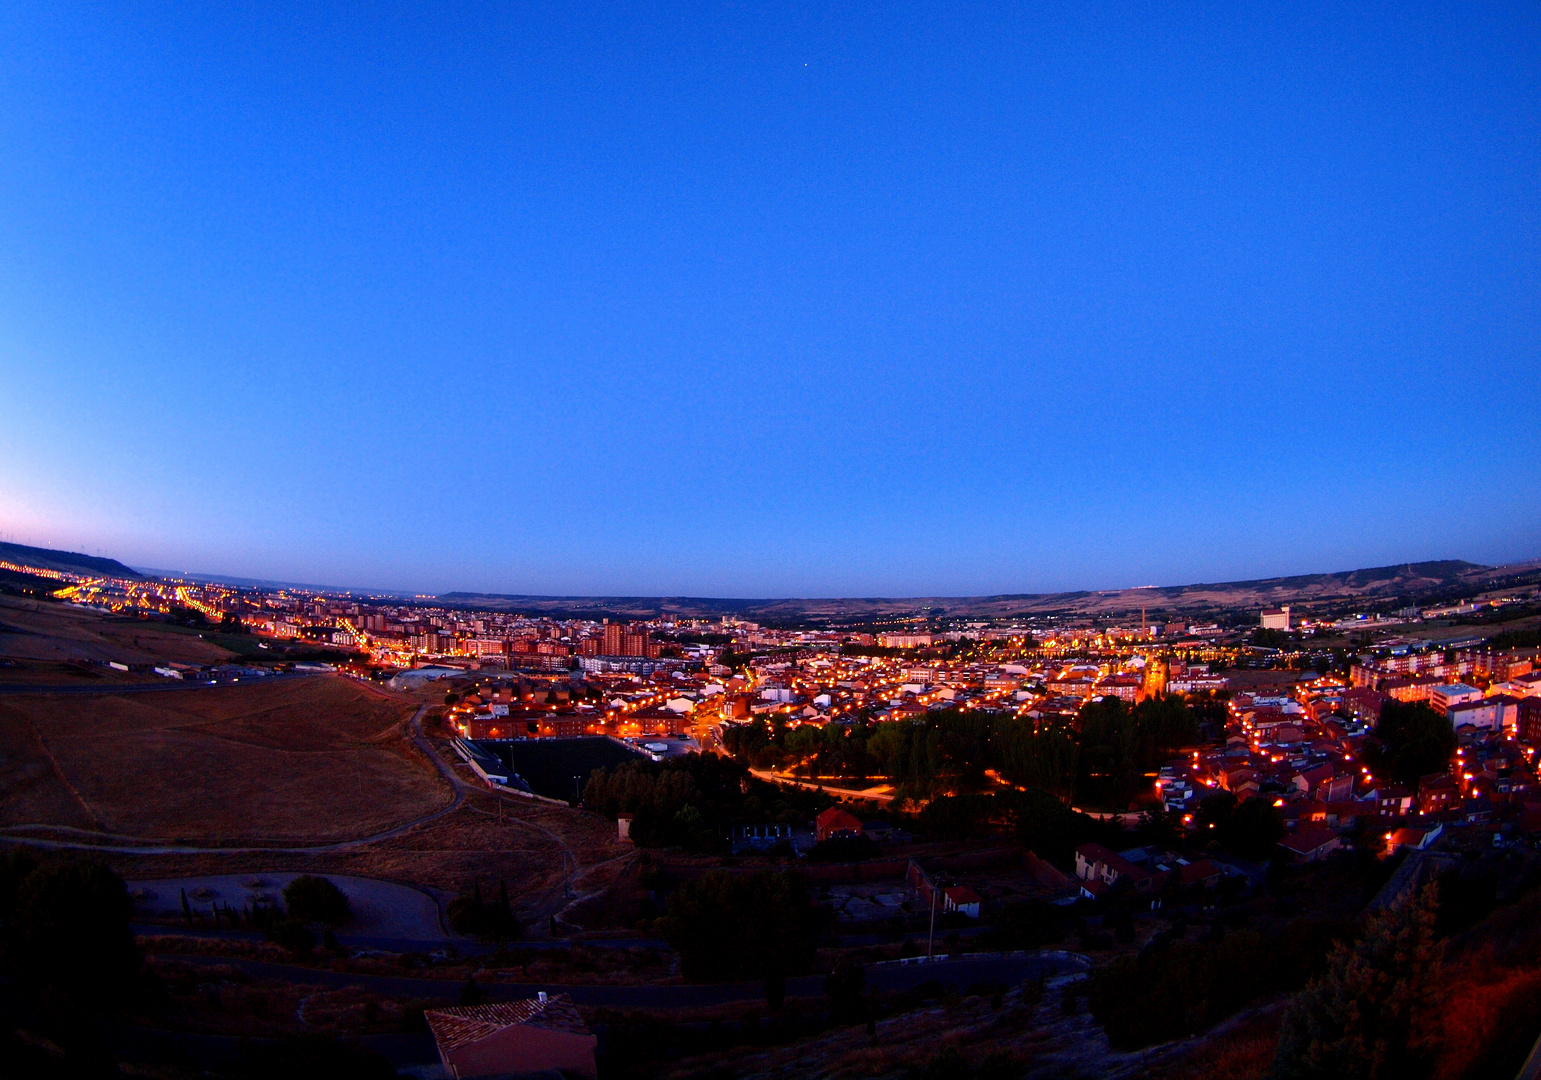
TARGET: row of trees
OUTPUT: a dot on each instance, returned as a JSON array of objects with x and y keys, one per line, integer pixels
[
  {"x": 1178, "y": 987},
  {"x": 492, "y": 918},
  {"x": 686, "y": 802},
  {"x": 728, "y": 925},
  {"x": 1100, "y": 759}
]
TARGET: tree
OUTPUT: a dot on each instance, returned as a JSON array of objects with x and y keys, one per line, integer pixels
[
  {"x": 308, "y": 1057},
  {"x": 315, "y": 899},
  {"x": 1363, "y": 1019},
  {"x": 1249, "y": 829},
  {"x": 1416, "y": 740},
  {"x": 494, "y": 919},
  {"x": 1213, "y": 814},
  {"x": 844, "y": 986},
  {"x": 293, "y": 935},
  {"x": 1164, "y": 725},
  {"x": 1178, "y": 987},
  {"x": 1253, "y": 830},
  {"x": 71, "y": 933},
  {"x": 1039, "y": 759},
  {"x": 727, "y": 925},
  {"x": 1110, "y": 763}
]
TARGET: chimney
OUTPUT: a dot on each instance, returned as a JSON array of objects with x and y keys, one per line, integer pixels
[{"x": 542, "y": 997}]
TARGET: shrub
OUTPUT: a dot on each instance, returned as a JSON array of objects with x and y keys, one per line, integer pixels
[
  {"x": 494, "y": 919},
  {"x": 293, "y": 935},
  {"x": 71, "y": 931},
  {"x": 315, "y": 899},
  {"x": 728, "y": 925}
]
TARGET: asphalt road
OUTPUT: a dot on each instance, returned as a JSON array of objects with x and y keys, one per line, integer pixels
[
  {"x": 161, "y": 687},
  {"x": 1008, "y": 969},
  {"x": 461, "y": 946}
]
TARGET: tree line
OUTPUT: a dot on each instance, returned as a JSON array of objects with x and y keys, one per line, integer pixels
[
  {"x": 1099, "y": 758},
  {"x": 689, "y": 801}
]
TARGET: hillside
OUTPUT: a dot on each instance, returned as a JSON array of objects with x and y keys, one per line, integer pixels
[
  {"x": 72, "y": 562},
  {"x": 1407, "y": 583}
]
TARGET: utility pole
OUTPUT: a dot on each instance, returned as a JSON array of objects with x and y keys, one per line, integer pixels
[{"x": 931, "y": 937}]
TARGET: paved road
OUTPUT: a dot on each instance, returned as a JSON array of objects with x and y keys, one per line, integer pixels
[
  {"x": 461, "y": 946},
  {"x": 1008, "y": 969},
  {"x": 380, "y": 909},
  {"x": 815, "y": 785},
  {"x": 161, "y": 687}
]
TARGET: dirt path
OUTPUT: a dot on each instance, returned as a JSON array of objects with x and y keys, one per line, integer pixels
[
  {"x": 548, "y": 908},
  {"x": 122, "y": 844}
]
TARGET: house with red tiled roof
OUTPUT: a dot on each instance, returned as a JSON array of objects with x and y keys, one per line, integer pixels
[
  {"x": 1311, "y": 843},
  {"x": 543, "y": 1033},
  {"x": 962, "y": 899},
  {"x": 1203, "y": 872},
  {"x": 1309, "y": 780},
  {"x": 836, "y": 822}
]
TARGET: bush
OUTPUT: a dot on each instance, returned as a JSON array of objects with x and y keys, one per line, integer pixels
[
  {"x": 839, "y": 849},
  {"x": 292, "y": 935},
  {"x": 493, "y": 919},
  {"x": 70, "y": 930},
  {"x": 315, "y": 899},
  {"x": 1372, "y": 1012},
  {"x": 308, "y": 1057},
  {"x": 728, "y": 925}
]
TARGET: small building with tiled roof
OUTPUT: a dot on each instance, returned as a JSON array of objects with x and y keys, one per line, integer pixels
[
  {"x": 1095, "y": 862},
  {"x": 533, "y": 1035},
  {"x": 962, "y": 899},
  {"x": 836, "y": 822}
]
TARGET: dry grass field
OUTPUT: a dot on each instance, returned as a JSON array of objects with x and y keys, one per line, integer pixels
[
  {"x": 302, "y": 760},
  {"x": 37, "y": 630},
  {"x": 524, "y": 849}
]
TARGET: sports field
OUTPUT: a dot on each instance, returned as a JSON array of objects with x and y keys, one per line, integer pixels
[{"x": 558, "y": 768}]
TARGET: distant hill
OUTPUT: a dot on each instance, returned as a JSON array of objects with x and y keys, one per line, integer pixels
[
  {"x": 1408, "y": 583},
  {"x": 72, "y": 562}
]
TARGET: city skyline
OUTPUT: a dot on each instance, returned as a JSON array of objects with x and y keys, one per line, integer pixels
[{"x": 693, "y": 301}]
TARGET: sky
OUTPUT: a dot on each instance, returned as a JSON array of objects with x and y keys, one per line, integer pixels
[{"x": 770, "y": 300}]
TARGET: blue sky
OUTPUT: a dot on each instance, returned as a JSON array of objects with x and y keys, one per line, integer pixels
[{"x": 770, "y": 300}]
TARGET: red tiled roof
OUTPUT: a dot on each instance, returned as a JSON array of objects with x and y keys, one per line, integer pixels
[
  {"x": 1198, "y": 871},
  {"x": 836, "y": 819},
  {"x": 1308, "y": 838},
  {"x": 472, "y": 1023}
]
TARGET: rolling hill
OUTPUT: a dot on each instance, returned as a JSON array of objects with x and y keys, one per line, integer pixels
[
  {"x": 1408, "y": 583},
  {"x": 72, "y": 562}
]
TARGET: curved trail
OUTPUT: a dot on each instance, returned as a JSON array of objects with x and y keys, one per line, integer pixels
[
  {"x": 133, "y": 845},
  {"x": 556, "y": 901}
]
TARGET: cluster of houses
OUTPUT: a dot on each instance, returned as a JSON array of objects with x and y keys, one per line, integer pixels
[
  {"x": 1303, "y": 752},
  {"x": 1099, "y": 869}
]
